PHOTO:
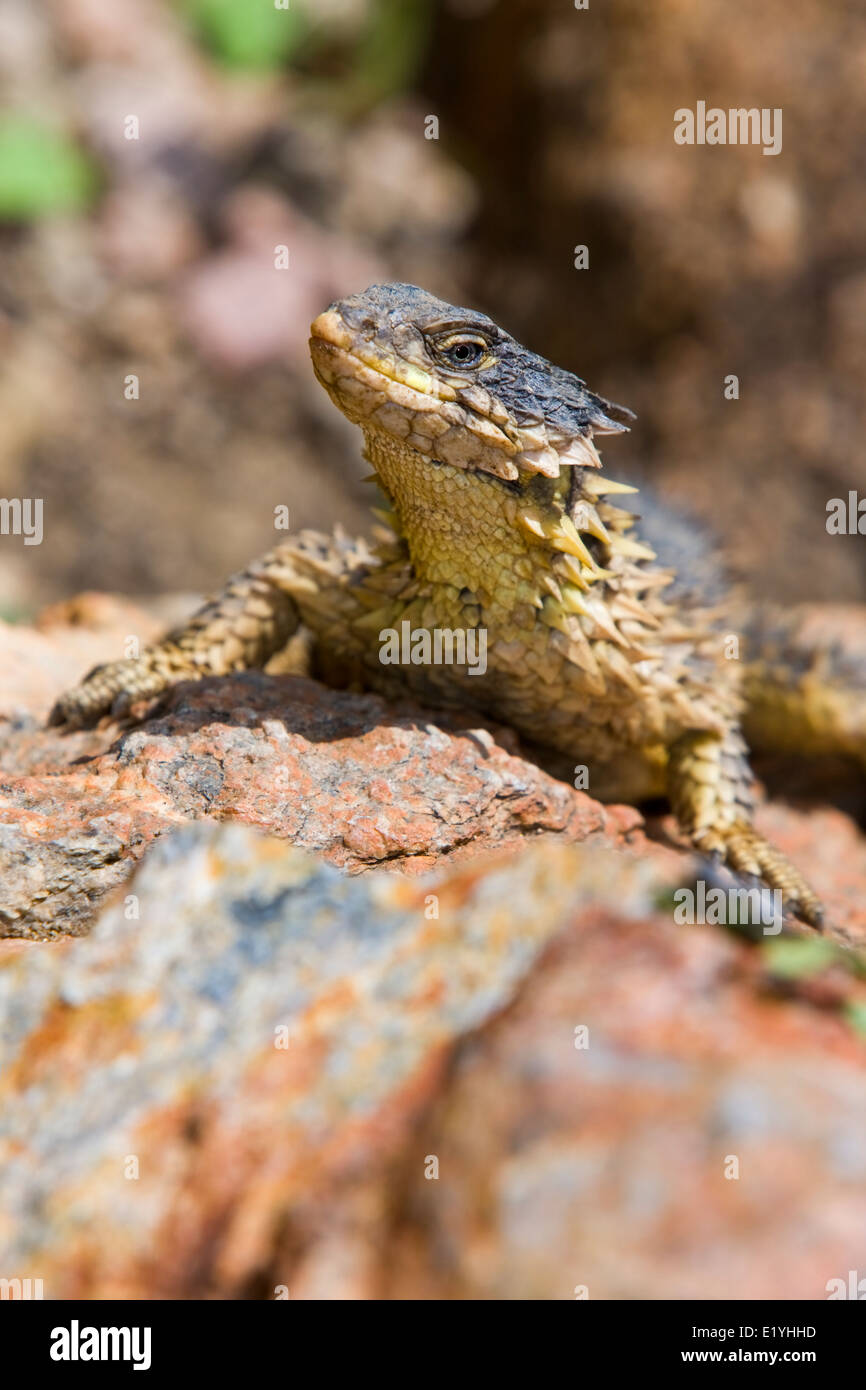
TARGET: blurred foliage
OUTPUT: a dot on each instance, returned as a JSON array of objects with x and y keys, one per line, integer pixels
[
  {"x": 250, "y": 35},
  {"x": 391, "y": 46},
  {"x": 42, "y": 171},
  {"x": 794, "y": 962},
  {"x": 362, "y": 62},
  {"x": 856, "y": 1015},
  {"x": 15, "y": 613},
  {"x": 796, "y": 959}
]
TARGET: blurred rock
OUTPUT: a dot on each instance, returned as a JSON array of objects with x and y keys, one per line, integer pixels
[
  {"x": 71, "y": 637},
  {"x": 260, "y": 1075},
  {"x": 146, "y": 232},
  {"x": 705, "y": 1143},
  {"x": 399, "y": 185},
  {"x": 241, "y": 308}
]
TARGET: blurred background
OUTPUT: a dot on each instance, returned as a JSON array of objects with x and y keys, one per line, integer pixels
[{"x": 307, "y": 127}]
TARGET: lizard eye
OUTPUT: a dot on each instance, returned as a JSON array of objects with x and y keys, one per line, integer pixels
[{"x": 462, "y": 351}]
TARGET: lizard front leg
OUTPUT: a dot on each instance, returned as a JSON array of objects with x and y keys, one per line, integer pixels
[
  {"x": 240, "y": 629},
  {"x": 710, "y": 790}
]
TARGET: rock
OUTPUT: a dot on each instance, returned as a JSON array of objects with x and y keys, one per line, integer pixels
[
  {"x": 357, "y": 780},
  {"x": 705, "y": 1143},
  {"x": 260, "y": 1074},
  {"x": 66, "y": 641}
]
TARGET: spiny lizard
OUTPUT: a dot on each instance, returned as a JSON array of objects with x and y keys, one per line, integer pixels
[{"x": 503, "y": 523}]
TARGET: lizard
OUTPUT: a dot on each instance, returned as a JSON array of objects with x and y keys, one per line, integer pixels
[{"x": 499, "y": 521}]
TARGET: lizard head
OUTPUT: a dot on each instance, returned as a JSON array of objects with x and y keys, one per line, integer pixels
[{"x": 453, "y": 387}]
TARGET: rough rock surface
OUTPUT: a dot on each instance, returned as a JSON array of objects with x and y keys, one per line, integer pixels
[
  {"x": 346, "y": 775},
  {"x": 261, "y": 1075}
]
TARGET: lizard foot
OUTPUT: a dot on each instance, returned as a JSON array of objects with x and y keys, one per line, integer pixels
[
  {"x": 112, "y": 687},
  {"x": 710, "y": 786},
  {"x": 741, "y": 848}
]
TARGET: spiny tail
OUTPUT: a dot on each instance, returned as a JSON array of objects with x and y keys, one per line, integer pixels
[{"x": 805, "y": 681}]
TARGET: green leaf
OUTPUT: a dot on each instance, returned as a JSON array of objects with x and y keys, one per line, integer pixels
[
  {"x": 796, "y": 960},
  {"x": 393, "y": 44},
  {"x": 42, "y": 171},
  {"x": 248, "y": 33},
  {"x": 856, "y": 1015}
]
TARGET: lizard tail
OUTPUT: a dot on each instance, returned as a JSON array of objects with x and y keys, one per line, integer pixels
[{"x": 805, "y": 682}]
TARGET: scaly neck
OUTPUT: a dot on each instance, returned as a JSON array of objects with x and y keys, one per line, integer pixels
[{"x": 459, "y": 526}]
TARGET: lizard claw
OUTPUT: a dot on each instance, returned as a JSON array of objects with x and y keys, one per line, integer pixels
[
  {"x": 107, "y": 689},
  {"x": 744, "y": 850}
]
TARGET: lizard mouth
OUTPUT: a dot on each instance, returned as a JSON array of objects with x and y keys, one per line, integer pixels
[{"x": 339, "y": 354}]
